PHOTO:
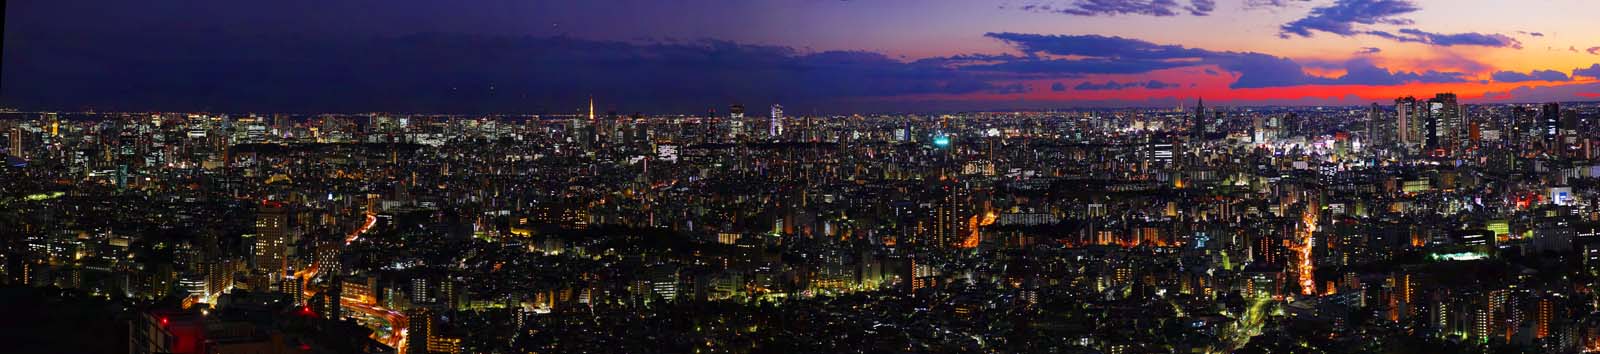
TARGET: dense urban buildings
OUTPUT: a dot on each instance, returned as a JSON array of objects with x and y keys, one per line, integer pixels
[
  {"x": 799, "y": 176},
  {"x": 1426, "y": 225}
]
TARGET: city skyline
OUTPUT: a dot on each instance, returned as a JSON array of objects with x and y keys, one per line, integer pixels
[{"x": 811, "y": 56}]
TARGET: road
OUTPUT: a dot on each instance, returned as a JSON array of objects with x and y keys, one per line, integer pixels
[{"x": 396, "y": 336}]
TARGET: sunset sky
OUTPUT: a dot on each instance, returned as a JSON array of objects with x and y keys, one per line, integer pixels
[{"x": 678, "y": 56}]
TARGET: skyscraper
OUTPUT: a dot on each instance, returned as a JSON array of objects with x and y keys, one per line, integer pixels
[
  {"x": 1432, "y": 128},
  {"x": 1550, "y": 123},
  {"x": 1374, "y": 120},
  {"x": 419, "y": 327},
  {"x": 272, "y": 238},
  {"x": 1405, "y": 121},
  {"x": 16, "y": 142},
  {"x": 775, "y": 128},
  {"x": 735, "y": 121},
  {"x": 1444, "y": 123},
  {"x": 1198, "y": 131}
]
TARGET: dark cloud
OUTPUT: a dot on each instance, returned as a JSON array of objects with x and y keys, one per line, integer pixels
[
  {"x": 1125, "y": 56},
  {"x": 1368, "y": 50},
  {"x": 1117, "y": 55},
  {"x": 1095, "y": 45},
  {"x": 1593, "y": 71},
  {"x": 1342, "y": 17},
  {"x": 1524, "y": 94},
  {"x": 1450, "y": 39},
  {"x": 446, "y": 73},
  {"x": 1594, "y": 50},
  {"x": 1113, "y": 85},
  {"x": 1536, "y": 75},
  {"x": 1346, "y": 17},
  {"x": 1124, "y": 7},
  {"x": 1009, "y": 89},
  {"x": 1257, "y": 4},
  {"x": 1058, "y": 87},
  {"x": 1201, "y": 7},
  {"x": 1362, "y": 72}
]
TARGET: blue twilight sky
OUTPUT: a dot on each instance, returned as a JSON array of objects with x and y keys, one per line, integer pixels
[{"x": 669, "y": 56}]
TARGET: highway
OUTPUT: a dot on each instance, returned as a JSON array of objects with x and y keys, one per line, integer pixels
[{"x": 396, "y": 336}]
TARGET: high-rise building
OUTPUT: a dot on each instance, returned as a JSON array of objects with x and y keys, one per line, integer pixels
[
  {"x": 1444, "y": 124},
  {"x": 1198, "y": 131},
  {"x": 735, "y": 120},
  {"x": 272, "y": 239},
  {"x": 16, "y": 143},
  {"x": 1432, "y": 129},
  {"x": 1407, "y": 123},
  {"x": 1374, "y": 121},
  {"x": 1550, "y": 124},
  {"x": 1544, "y": 316},
  {"x": 419, "y": 327},
  {"x": 775, "y": 128}
]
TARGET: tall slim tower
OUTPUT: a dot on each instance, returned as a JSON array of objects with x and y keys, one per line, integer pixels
[
  {"x": 591, "y": 108},
  {"x": 1198, "y": 131},
  {"x": 16, "y": 142},
  {"x": 775, "y": 128},
  {"x": 1402, "y": 109},
  {"x": 1374, "y": 120}
]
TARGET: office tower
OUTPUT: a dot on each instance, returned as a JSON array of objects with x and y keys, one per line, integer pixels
[
  {"x": 1513, "y": 130},
  {"x": 1402, "y": 112},
  {"x": 1544, "y": 316},
  {"x": 944, "y": 218},
  {"x": 1198, "y": 131},
  {"x": 419, "y": 327},
  {"x": 272, "y": 238},
  {"x": 1550, "y": 124},
  {"x": 1374, "y": 121},
  {"x": 1258, "y": 129},
  {"x": 1289, "y": 125},
  {"x": 16, "y": 143},
  {"x": 775, "y": 128},
  {"x": 1445, "y": 122},
  {"x": 735, "y": 120}
]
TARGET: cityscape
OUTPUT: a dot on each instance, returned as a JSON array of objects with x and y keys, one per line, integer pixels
[{"x": 1098, "y": 204}]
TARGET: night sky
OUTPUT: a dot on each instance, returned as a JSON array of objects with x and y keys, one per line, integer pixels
[{"x": 685, "y": 56}]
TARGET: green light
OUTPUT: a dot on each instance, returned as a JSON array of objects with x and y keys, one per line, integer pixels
[
  {"x": 1462, "y": 256},
  {"x": 44, "y": 196}
]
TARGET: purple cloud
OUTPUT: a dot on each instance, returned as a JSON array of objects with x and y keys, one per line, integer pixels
[
  {"x": 1162, "y": 8},
  {"x": 1368, "y": 50},
  {"x": 1113, "y": 85},
  {"x": 1058, "y": 87},
  {"x": 1593, "y": 71},
  {"x": 1117, "y": 55},
  {"x": 1412, "y": 35},
  {"x": 1536, "y": 75},
  {"x": 1363, "y": 72},
  {"x": 1342, "y": 17},
  {"x": 1594, "y": 50}
]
